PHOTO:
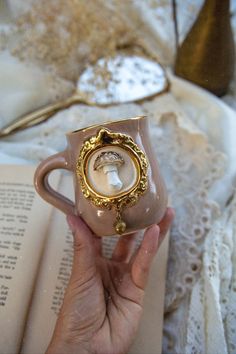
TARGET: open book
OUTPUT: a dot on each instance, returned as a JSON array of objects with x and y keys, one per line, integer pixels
[{"x": 35, "y": 263}]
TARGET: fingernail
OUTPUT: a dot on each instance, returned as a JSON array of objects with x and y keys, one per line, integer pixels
[
  {"x": 155, "y": 227},
  {"x": 154, "y": 238},
  {"x": 171, "y": 211},
  {"x": 71, "y": 220}
]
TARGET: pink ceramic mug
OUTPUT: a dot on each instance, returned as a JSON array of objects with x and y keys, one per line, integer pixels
[{"x": 118, "y": 185}]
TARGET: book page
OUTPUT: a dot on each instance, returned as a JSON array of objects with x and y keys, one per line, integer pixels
[
  {"x": 53, "y": 279},
  {"x": 24, "y": 218},
  {"x": 149, "y": 337}
]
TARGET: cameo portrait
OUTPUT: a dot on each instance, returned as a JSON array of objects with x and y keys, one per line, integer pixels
[{"x": 111, "y": 171}]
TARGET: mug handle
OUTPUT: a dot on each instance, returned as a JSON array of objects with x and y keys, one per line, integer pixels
[{"x": 41, "y": 182}]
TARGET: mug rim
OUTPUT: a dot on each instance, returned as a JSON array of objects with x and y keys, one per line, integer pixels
[{"x": 106, "y": 123}]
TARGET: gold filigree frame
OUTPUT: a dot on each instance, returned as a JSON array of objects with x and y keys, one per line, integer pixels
[{"x": 122, "y": 200}]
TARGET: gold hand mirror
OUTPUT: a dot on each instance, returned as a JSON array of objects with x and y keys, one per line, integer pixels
[{"x": 119, "y": 79}]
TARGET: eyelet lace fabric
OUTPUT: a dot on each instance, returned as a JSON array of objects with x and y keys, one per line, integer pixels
[
  {"x": 212, "y": 312},
  {"x": 190, "y": 166}
]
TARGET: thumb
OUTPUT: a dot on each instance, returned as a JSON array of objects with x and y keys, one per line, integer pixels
[{"x": 84, "y": 251}]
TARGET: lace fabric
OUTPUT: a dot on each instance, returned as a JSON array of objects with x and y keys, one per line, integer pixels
[
  {"x": 63, "y": 37},
  {"x": 190, "y": 166},
  {"x": 212, "y": 312}
]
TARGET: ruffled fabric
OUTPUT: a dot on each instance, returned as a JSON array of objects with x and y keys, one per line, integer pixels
[{"x": 212, "y": 311}]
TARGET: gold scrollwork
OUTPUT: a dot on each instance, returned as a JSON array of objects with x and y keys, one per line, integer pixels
[{"x": 103, "y": 138}]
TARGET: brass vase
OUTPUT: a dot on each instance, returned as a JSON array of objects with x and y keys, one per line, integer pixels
[{"x": 206, "y": 56}]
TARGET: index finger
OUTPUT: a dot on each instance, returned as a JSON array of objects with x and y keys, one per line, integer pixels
[
  {"x": 166, "y": 223},
  {"x": 144, "y": 256}
]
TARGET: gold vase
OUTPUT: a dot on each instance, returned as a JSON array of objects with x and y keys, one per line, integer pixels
[{"x": 206, "y": 56}]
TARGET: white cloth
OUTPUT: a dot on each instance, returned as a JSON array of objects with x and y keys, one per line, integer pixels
[{"x": 212, "y": 314}]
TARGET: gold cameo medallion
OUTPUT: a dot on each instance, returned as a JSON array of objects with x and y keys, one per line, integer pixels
[{"x": 112, "y": 171}]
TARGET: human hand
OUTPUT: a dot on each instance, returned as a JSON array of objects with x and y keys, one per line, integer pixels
[{"x": 104, "y": 299}]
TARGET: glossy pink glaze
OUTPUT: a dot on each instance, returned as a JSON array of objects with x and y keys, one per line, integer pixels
[{"x": 152, "y": 204}]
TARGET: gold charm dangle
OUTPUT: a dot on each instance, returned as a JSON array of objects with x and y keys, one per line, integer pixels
[{"x": 120, "y": 225}]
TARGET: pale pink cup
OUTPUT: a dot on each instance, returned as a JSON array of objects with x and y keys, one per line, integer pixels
[{"x": 151, "y": 203}]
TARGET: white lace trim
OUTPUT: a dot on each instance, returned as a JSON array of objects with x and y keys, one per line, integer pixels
[
  {"x": 190, "y": 166},
  {"x": 212, "y": 313}
]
